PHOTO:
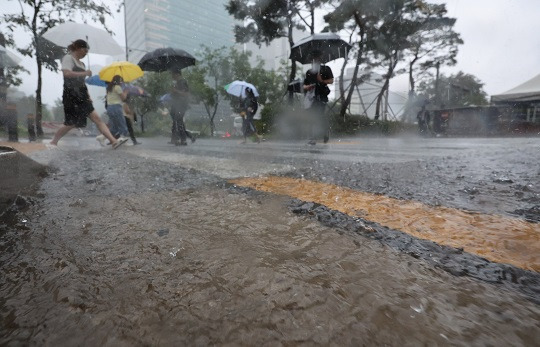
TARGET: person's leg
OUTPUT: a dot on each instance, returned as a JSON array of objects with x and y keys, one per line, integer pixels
[
  {"x": 252, "y": 129},
  {"x": 313, "y": 123},
  {"x": 175, "y": 132},
  {"x": 94, "y": 117},
  {"x": 245, "y": 127},
  {"x": 60, "y": 133},
  {"x": 182, "y": 129},
  {"x": 325, "y": 123},
  {"x": 130, "y": 130},
  {"x": 117, "y": 118}
]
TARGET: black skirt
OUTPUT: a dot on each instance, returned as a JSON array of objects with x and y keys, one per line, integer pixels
[{"x": 77, "y": 106}]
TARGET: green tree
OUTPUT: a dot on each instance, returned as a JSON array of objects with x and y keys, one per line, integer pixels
[
  {"x": 156, "y": 84},
  {"x": 265, "y": 21},
  {"x": 362, "y": 17},
  {"x": 456, "y": 90},
  {"x": 435, "y": 43},
  {"x": 36, "y": 17},
  {"x": 391, "y": 38},
  {"x": 215, "y": 69},
  {"x": 206, "y": 80},
  {"x": 383, "y": 30}
]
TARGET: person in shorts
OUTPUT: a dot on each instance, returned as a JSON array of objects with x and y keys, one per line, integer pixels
[{"x": 77, "y": 102}]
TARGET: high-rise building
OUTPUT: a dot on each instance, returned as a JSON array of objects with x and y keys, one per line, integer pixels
[{"x": 184, "y": 24}]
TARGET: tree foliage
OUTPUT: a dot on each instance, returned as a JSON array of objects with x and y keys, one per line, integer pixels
[
  {"x": 215, "y": 69},
  {"x": 35, "y": 17},
  {"x": 460, "y": 89},
  {"x": 267, "y": 20},
  {"x": 435, "y": 43},
  {"x": 390, "y": 32}
]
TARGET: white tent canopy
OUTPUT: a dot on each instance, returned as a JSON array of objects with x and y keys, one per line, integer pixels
[{"x": 525, "y": 92}]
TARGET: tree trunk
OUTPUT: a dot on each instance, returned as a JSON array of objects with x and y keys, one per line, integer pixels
[
  {"x": 347, "y": 101},
  {"x": 293, "y": 63},
  {"x": 379, "y": 99},
  {"x": 39, "y": 112},
  {"x": 411, "y": 77},
  {"x": 341, "y": 83},
  {"x": 3, "y": 83},
  {"x": 386, "y": 85},
  {"x": 312, "y": 12}
]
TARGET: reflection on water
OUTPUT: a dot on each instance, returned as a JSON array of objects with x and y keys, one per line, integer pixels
[
  {"x": 232, "y": 269},
  {"x": 505, "y": 240}
]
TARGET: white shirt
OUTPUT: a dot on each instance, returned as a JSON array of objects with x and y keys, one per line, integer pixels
[{"x": 69, "y": 62}]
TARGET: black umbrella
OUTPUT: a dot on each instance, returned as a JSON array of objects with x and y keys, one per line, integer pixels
[
  {"x": 163, "y": 59},
  {"x": 329, "y": 44}
]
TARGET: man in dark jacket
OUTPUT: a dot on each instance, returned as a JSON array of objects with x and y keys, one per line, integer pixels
[
  {"x": 316, "y": 88},
  {"x": 179, "y": 106}
]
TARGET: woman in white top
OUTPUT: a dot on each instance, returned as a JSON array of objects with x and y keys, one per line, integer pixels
[{"x": 77, "y": 103}]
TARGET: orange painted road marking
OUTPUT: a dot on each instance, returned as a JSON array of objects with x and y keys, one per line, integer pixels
[{"x": 496, "y": 238}]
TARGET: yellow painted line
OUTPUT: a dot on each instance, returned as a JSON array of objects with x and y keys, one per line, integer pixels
[{"x": 497, "y": 238}]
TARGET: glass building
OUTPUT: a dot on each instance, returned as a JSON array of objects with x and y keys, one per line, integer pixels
[{"x": 184, "y": 24}]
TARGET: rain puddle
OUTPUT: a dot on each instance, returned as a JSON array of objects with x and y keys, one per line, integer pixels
[
  {"x": 496, "y": 238},
  {"x": 209, "y": 266}
]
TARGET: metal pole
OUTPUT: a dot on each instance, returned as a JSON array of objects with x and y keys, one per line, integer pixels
[
  {"x": 437, "y": 86},
  {"x": 125, "y": 30}
]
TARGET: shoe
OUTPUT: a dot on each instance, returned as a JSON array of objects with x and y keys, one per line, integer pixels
[
  {"x": 312, "y": 142},
  {"x": 326, "y": 138},
  {"x": 101, "y": 140},
  {"x": 119, "y": 142},
  {"x": 136, "y": 143},
  {"x": 179, "y": 143},
  {"x": 51, "y": 147}
]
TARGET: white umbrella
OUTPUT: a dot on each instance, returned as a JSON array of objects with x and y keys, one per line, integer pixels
[
  {"x": 99, "y": 40},
  {"x": 7, "y": 58},
  {"x": 238, "y": 88}
]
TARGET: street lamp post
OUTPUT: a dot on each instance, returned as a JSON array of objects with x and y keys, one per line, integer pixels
[{"x": 125, "y": 30}]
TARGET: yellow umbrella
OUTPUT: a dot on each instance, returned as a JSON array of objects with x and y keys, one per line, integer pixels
[{"x": 128, "y": 71}]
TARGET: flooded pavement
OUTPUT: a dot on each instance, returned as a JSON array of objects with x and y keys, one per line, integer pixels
[
  {"x": 499, "y": 239},
  {"x": 124, "y": 249}
]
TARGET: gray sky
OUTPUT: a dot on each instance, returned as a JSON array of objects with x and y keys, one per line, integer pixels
[{"x": 502, "y": 45}]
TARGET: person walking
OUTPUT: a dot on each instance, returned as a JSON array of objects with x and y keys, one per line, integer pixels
[
  {"x": 179, "y": 106},
  {"x": 424, "y": 119},
  {"x": 114, "y": 102},
  {"x": 249, "y": 108},
  {"x": 77, "y": 102},
  {"x": 316, "y": 87},
  {"x": 130, "y": 117}
]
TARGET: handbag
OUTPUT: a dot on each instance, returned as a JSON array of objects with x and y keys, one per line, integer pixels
[
  {"x": 257, "y": 115},
  {"x": 308, "y": 98}
]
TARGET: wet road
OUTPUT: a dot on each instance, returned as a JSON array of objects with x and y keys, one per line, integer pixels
[{"x": 150, "y": 245}]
